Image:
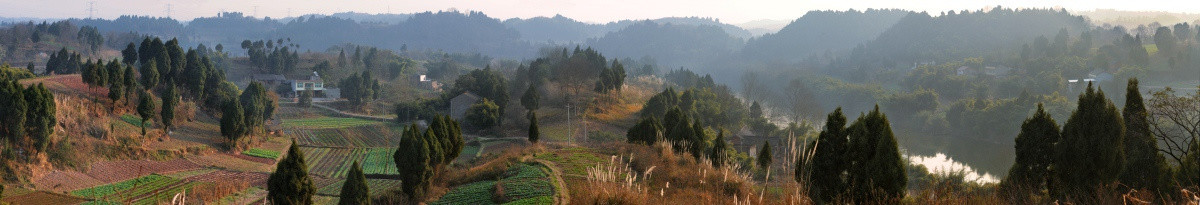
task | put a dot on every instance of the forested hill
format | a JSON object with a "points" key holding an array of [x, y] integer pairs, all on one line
{"points": [[920, 37], [672, 45], [820, 31], [451, 31]]}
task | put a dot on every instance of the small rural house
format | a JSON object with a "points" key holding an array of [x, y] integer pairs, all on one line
{"points": [[459, 104]]}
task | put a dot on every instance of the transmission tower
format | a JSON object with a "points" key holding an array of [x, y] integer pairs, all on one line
{"points": [[91, 9], [168, 10]]}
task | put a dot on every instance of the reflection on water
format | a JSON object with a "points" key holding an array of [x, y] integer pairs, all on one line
{"points": [[940, 164]]}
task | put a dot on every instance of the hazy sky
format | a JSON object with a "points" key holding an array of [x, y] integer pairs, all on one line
{"points": [[729, 11]]}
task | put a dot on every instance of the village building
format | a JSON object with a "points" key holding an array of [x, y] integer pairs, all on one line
{"points": [[459, 104]]}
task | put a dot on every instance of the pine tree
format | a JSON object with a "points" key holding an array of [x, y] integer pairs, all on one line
{"points": [[534, 134], [1035, 150], [355, 190], [764, 155], [146, 107], [170, 99], [290, 184], [876, 167], [720, 150], [1145, 167], [1091, 152], [829, 160], [412, 163]]}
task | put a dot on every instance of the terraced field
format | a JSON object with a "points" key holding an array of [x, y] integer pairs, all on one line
{"points": [[520, 184], [376, 186], [269, 154], [149, 189], [379, 135], [326, 123], [336, 162], [573, 161]]}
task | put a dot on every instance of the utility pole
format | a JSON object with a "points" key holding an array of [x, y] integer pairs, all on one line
{"points": [[569, 124]]}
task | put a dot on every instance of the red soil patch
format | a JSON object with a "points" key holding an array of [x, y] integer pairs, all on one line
{"points": [[253, 178], [114, 171], [43, 197], [69, 84], [59, 181]]}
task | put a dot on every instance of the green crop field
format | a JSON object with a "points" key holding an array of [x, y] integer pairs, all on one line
{"points": [[327, 123], [149, 189], [336, 162], [376, 186], [133, 120], [473, 193], [521, 183], [269, 154], [573, 161]]}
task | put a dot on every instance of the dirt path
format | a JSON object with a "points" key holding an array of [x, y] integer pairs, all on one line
{"points": [[563, 197], [353, 115]]}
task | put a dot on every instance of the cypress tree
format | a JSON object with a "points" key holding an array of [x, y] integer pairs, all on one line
{"points": [[530, 100], [534, 134], [13, 109], [1146, 168], [412, 163], [1035, 150], [696, 143], [130, 81], [170, 99], [149, 75], [829, 160], [876, 167], [1091, 152], [455, 134], [647, 132], [116, 92], [232, 121], [437, 155], [355, 190], [146, 107], [254, 103], [129, 55], [720, 150], [40, 118], [290, 184], [764, 155]]}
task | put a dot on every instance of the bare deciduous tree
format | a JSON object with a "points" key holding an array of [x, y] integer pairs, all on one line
{"points": [[1175, 121]]}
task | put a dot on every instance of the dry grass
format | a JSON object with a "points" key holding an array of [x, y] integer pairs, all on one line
{"points": [[211, 192], [638, 174]]}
